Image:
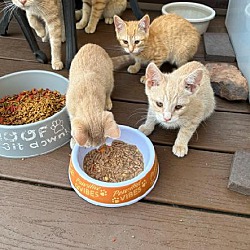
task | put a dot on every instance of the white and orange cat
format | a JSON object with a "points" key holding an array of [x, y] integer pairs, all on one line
{"points": [[169, 38], [181, 99], [88, 97], [93, 10], [46, 18]]}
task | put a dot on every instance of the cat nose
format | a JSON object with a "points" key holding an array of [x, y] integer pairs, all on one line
{"points": [[23, 2], [167, 119], [167, 116]]}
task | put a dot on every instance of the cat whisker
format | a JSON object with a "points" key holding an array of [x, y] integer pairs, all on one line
{"points": [[9, 8], [6, 7], [141, 120], [137, 112], [197, 136]]}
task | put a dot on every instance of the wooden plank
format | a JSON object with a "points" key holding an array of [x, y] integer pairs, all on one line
{"points": [[129, 88], [123, 82], [47, 218], [200, 179], [18, 49], [223, 131]]}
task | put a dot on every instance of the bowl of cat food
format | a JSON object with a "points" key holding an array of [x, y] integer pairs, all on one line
{"points": [[199, 15], [119, 173], [33, 116]]}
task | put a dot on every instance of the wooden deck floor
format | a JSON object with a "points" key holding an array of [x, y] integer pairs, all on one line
{"points": [[189, 208]]}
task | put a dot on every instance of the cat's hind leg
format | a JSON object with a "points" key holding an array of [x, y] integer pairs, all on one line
{"points": [[108, 103], [85, 14]]}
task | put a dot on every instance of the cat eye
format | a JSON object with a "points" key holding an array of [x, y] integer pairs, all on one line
{"points": [[159, 104], [177, 107], [136, 41], [125, 41]]}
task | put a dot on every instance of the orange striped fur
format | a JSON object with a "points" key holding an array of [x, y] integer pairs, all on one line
{"points": [[46, 18], [168, 38], [93, 10]]}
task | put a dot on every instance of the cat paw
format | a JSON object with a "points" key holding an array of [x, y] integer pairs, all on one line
{"points": [[78, 15], [80, 25], [58, 65], [90, 30], [180, 150], [41, 33], [109, 20], [143, 79], [145, 130], [133, 69]]}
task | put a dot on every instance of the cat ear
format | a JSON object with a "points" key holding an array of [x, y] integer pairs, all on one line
{"points": [[111, 128], [153, 75], [78, 132], [192, 81], [144, 24], [119, 23]]}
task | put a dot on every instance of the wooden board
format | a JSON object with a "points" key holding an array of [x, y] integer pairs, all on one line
{"points": [[49, 218], [123, 83]]}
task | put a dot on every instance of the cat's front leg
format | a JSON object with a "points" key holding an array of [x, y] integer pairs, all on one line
{"points": [[180, 147], [95, 16], [53, 23], [133, 69], [148, 127], [83, 15], [37, 25]]}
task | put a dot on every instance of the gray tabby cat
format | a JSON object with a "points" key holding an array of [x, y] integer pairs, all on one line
{"points": [[181, 99], [46, 18]]}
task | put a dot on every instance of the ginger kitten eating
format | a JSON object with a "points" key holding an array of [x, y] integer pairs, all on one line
{"points": [[91, 82], [181, 99], [169, 38]]}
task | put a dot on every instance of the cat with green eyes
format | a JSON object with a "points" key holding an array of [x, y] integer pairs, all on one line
{"points": [[181, 99]]}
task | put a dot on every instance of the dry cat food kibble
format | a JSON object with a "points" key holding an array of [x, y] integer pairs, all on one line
{"points": [[30, 106], [119, 162]]}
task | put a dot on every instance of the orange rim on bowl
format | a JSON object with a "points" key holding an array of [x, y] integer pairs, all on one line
{"points": [[112, 194]]}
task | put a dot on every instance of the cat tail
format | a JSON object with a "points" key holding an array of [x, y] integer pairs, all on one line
{"points": [[122, 61]]}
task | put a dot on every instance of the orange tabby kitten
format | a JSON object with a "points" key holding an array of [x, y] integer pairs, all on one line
{"points": [[91, 82], [94, 10], [169, 38], [181, 99], [46, 18]]}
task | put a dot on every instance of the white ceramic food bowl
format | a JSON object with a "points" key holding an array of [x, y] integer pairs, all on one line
{"points": [[121, 193], [199, 15], [28, 140]]}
